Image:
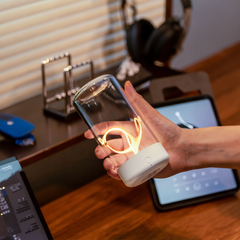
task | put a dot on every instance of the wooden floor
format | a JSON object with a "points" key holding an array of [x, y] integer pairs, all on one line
{"points": [[224, 72]]}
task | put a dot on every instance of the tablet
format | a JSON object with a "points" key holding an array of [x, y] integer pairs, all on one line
{"points": [[198, 185], [20, 215]]}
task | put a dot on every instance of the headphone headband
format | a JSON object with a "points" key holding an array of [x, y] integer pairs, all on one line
{"points": [[145, 43], [185, 3], [134, 10]]}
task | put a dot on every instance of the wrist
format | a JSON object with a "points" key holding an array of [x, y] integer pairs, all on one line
{"points": [[211, 147], [190, 148]]}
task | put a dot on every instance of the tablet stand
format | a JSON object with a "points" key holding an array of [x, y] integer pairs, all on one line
{"points": [[179, 86]]}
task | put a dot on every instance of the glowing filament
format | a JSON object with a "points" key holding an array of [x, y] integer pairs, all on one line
{"points": [[132, 142]]}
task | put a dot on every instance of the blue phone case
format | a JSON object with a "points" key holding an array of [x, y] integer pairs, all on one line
{"points": [[13, 126]]}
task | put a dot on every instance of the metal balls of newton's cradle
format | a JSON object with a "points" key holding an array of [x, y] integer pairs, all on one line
{"points": [[51, 105], [120, 130]]}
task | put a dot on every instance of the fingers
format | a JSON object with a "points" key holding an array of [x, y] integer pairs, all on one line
{"points": [[116, 126], [88, 134], [112, 163], [102, 152], [113, 173]]}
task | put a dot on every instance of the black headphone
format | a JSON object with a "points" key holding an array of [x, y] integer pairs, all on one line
{"points": [[147, 44]]}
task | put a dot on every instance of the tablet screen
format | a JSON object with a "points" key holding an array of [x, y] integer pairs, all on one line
{"points": [[196, 113]]}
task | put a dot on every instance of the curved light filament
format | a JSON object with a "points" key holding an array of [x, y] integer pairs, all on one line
{"points": [[132, 142]]}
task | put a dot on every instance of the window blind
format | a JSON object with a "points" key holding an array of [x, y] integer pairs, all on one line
{"points": [[33, 30]]}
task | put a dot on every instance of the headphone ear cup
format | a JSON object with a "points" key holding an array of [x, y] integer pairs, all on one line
{"points": [[164, 41], [137, 36]]}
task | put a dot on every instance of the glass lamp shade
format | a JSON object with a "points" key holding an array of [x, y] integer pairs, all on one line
{"points": [[115, 124]]}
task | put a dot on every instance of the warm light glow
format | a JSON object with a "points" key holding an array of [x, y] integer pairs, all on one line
{"points": [[132, 141]]}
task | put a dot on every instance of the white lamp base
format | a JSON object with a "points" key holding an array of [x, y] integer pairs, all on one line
{"points": [[144, 165]]}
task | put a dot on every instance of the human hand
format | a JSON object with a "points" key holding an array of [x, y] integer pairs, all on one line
{"points": [[165, 131], [128, 138]]}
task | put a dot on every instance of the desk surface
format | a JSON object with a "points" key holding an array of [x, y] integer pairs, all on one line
{"points": [[106, 209]]}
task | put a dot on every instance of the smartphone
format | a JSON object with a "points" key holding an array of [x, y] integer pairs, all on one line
{"points": [[16, 129]]}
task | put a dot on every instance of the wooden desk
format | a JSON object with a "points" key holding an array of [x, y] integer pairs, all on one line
{"points": [[106, 209]]}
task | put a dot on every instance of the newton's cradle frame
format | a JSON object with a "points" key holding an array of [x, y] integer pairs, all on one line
{"points": [[66, 110]]}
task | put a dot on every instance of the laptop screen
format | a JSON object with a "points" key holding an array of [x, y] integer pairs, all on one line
{"points": [[20, 215]]}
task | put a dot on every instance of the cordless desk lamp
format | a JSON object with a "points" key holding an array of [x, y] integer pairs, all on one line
{"points": [[115, 124]]}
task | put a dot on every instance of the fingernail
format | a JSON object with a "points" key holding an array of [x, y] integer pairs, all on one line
{"points": [[129, 87], [128, 84], [107, 164]]}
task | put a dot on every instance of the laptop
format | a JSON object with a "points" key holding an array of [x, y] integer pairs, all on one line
{"points": [[20, 215]]}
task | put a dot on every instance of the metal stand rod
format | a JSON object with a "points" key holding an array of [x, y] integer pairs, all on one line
{"points": [[69, 90], [47, 61]]}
